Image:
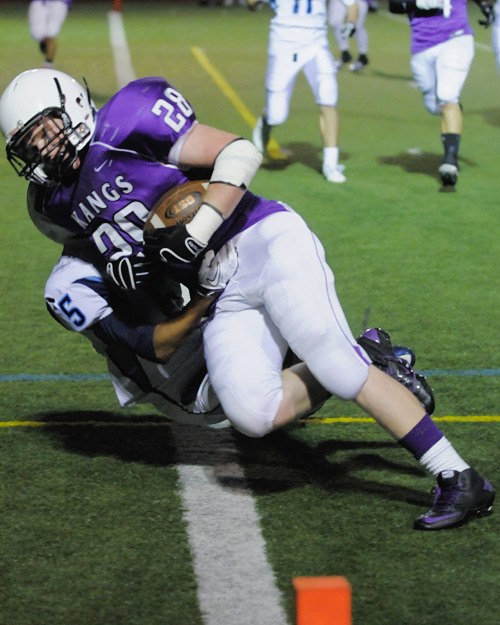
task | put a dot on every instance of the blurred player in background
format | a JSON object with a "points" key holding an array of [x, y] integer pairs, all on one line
{"points": [[337, 12], [298, 41], [442, 49], [97, 174], [45, 19], [222, 3], [495, 34]]}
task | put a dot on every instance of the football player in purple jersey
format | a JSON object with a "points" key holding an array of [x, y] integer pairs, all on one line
{"points": [[136, 329], [96, 175], [45, 19], [442, 49]]}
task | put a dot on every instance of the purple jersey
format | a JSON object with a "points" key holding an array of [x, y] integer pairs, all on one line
{"points": [[126, 169], [68, 2], [429, 28]]}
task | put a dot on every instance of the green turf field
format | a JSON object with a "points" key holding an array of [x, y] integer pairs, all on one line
{"points": [[92, 529]]}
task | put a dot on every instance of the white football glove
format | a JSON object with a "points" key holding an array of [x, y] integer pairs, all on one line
{"points": [[216, 270], [348, 30]]}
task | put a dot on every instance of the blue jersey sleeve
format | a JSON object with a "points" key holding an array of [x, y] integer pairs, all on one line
{"points": [[139, 339]]}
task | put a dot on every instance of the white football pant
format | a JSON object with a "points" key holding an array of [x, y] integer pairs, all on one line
{"points": [[282, 294], [45, 19], [289, 53], [495, 35], [440, 72]]}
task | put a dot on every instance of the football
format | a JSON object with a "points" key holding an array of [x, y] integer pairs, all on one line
{"points": [[177, 206]]}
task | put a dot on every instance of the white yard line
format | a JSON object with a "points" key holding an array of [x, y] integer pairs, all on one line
{"points": [[121, 54], [236, 584]]}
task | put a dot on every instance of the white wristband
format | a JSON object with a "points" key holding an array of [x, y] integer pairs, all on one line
{"points": [[204, 223]]}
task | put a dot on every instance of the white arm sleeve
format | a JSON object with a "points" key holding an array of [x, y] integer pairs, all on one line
{"points": [[237, 163]]}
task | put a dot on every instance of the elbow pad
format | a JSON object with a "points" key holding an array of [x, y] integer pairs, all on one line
{"points": [[237, 164]]}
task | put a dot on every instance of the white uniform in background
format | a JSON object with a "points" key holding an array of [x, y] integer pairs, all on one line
{"points": [[282, 294], [45, 20], [337, 11], [495, 34], [46, 17], [298, 41]]}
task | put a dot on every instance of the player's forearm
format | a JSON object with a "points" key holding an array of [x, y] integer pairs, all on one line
{"points": [[234, 162], [168, 335]]}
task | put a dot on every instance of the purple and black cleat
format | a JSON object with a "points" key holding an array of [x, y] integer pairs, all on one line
{"points": [[458, 498], [397, 361]]}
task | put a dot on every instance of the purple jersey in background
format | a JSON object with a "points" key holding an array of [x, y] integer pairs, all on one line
{"points": [[429, 28], [68, 2]]}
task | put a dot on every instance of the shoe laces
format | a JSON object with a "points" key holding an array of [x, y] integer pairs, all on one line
{"points": [[401, 370], [447, 493], [447, 498], [378, 346]]}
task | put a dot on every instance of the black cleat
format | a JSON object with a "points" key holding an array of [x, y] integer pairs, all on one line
{"points": [[397, 362], [458, 498], [345, 58], [359, 64]]}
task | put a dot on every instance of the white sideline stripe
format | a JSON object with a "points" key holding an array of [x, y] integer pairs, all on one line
{"points": [[483, 46], [236, 584], [121, 54]]}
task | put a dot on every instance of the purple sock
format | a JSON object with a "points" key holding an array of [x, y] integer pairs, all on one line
{"points": [[422, 437]]}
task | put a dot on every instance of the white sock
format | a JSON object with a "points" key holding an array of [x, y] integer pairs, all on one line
{"points": [[331, 157], [443, 457]]}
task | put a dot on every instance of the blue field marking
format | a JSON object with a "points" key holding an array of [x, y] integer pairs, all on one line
{"points": [[85, 377], [460, 373], [54, 377]]}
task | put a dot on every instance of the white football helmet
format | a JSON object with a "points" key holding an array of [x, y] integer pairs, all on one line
{"points": [[28, 107]]}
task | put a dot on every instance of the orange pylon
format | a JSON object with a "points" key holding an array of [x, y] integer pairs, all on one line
{"points": [[323, 600]]}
